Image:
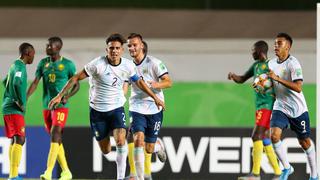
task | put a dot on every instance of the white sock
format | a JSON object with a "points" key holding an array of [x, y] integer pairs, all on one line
{"points": [[157, 146], [282, 154], [139, 162], [121, 160], [311, 156]]}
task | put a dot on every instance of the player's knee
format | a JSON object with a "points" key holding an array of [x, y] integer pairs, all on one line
{"points": [[19, 140], [149, 150], [305, 143], [275, 138], [105, 150]]}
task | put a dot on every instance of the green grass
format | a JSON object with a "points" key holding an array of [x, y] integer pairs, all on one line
{"points": [[188, 104]]}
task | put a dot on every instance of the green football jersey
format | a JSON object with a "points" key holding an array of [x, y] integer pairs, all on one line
{"points": [[15, 89], [55, 76], [263, 100]]}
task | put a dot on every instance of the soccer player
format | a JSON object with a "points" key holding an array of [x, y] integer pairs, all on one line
{"points": [[264, 103], [146, 117], [14, 106], [147, 162], [106, 77], [56, 70], [290, 107]]}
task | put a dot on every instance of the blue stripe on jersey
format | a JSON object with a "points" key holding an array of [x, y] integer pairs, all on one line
{"points": [[134, 78]]}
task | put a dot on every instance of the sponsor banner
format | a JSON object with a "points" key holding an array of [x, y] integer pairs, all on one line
{"points": [[192, 153], [34, 153]]}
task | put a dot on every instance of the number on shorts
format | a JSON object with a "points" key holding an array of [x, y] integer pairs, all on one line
{"points": [[60, 116], [259, 115], [303, 123], [157, 126]]}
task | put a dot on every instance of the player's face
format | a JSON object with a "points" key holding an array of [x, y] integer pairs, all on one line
{"points": [[30, 56], [114, 50], [281, 46], [52, 48], [135, 47], [255, 53]]}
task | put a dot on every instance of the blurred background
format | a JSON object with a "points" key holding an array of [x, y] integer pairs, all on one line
{"points": [[200, 41]]}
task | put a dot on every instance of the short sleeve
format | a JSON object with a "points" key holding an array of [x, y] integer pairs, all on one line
{"points": [[295, 70], [39, 70], [72, 70], [160, 69], [91, 68]]}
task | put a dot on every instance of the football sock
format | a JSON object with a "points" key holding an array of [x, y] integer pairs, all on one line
{"points": [[122, 152], [147, 163], [52, 156], [311, 156], [131, 159], [62, 158], [139, 162], [16, 153], [272, 159], [257, 155], [282, 154]]}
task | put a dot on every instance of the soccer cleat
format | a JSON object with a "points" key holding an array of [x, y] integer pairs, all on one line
{"points": [[286, 172], [65, 175], [16, 178], [46, 175], [161, 153], [250, 177], [316, 178]]}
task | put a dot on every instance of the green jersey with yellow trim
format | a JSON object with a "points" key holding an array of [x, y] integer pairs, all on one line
{"points": [[55, 76], [264, 100], [15, 93]]}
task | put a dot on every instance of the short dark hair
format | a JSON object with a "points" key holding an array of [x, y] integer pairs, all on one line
{"points": [[55, 39], [24, 48], [262, 46], [135, 35], [145, 49], [116, 37], [286, 36]]}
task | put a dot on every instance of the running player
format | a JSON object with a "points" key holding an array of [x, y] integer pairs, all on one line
{"points": [[56, 70], [14, 106], [290, 107], [146, 117], [264, 103], [106, 77]]}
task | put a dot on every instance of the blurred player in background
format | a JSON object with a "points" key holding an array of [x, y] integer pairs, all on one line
{"points": [[290, 107], [264, 104], [146, 117], [106, 77], [56, 70], [14, 106]]}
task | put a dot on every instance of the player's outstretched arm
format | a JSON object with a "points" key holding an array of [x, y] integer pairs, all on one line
{"points": [[295, 85], [33, 86], [163, 84], [143, 86], [72, 81], [238, 79]]}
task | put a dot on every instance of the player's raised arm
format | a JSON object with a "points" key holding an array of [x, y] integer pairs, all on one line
{"points": [[143, 86], [72, 81]]}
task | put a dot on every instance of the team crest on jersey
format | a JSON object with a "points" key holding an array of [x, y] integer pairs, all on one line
{"points": [[61, 67], [263, 67], [162, 66], [47, 65]]}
